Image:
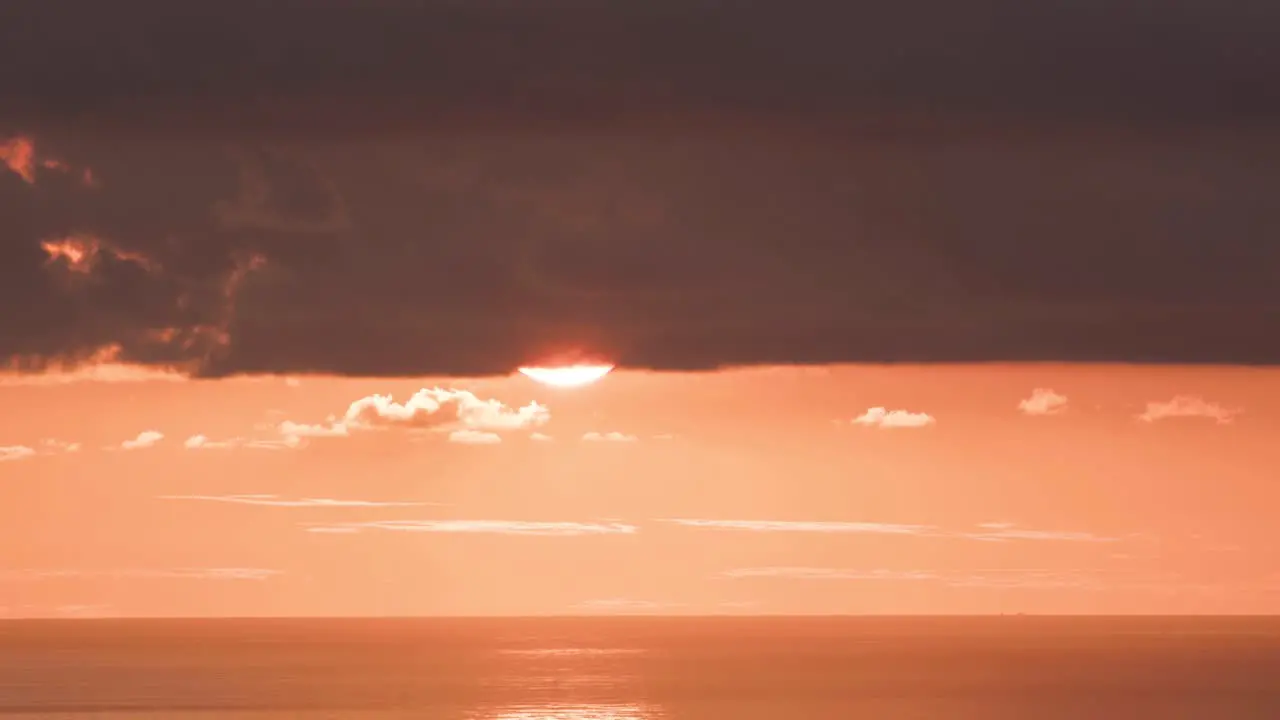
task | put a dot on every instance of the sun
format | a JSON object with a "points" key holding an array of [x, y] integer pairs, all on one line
{"points": [[567, 375]]}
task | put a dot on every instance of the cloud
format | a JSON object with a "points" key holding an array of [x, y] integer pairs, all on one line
{"points": [[145, 439], [1043, 401], [654, 230], [805, 526], [475, 420], [18, 154], [143, 574], [1187, 406], [489, 527], [201, 442], [882, 418], [54, 446], [539, 437], [101, 365], [277, 501], [624, 606], [1001, 532], [467, 436], [609, 437], [1026, 578], [15, 452]]}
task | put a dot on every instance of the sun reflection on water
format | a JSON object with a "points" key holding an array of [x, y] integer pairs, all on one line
{"points": [[569, 711]]}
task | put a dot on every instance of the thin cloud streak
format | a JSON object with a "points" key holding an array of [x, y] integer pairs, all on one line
{"points": [[609, 437], [277, 501], [1188, 406], [488, 527], [809, 526], [988, 532], [10, 453], [145, 439]]}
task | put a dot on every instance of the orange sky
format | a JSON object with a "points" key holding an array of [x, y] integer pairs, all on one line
{"points": [[748, 491]]}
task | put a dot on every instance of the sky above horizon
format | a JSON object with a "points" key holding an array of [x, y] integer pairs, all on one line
{"points": [[843, 489], [916, 306]]}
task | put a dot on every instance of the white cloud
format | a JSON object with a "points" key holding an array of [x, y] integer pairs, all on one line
{"points": [[804, 526], [1187, 406], [609, 437], [882, 418], [428, 408], [145, 439], [539, 437], [15, 452], [277, 501], [53, 446], [467, 436], [1043, 401], [495, 527], [1001, 531], [1026, 578]]}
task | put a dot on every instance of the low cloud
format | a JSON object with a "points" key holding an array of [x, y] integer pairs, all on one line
{"points": [[467, 436], [609, 437], [81, 254], [145, 439], [987, 532], [53, 446], [624, 606], [812, 526], [277, 501], [1002, 532], [539, 437], [1043, 401], [1187, 406], [882, 418], [9, 453], [201, 442], [429, 408], [489, 527], [1028, 578], [103, 365]]}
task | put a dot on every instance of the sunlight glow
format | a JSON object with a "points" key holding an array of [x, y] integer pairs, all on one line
{"points": [[568, 376]]}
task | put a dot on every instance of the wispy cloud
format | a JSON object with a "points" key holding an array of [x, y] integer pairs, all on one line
{"points": [[539, 437], [609, 437], [143, 574], [888, 419], [805, 526], [53, 446], [1188, 406], [1001, 532], [624, 606], [491, 527], [1043, 401], [1028, 578], [277, 501], [19, 154], [467, 436], [9, 453], [988, 532], [429, 408], [145, 439], [201, 442]]}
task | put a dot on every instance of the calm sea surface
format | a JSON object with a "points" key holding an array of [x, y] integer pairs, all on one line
{"points": [[644, 669]]}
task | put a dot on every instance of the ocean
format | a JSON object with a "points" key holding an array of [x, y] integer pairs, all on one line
{"points": [[865, 668]]}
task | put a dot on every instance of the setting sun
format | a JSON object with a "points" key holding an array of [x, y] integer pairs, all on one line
{"points": [[567, 376]]}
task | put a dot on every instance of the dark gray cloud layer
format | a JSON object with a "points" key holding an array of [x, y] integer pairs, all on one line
{"points": [[411, 187]]}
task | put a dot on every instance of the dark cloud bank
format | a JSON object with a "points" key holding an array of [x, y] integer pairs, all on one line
{"points": [[384, 187]]}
